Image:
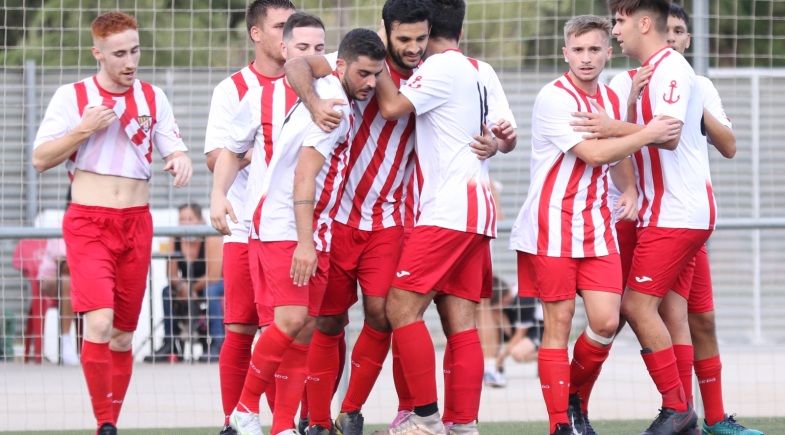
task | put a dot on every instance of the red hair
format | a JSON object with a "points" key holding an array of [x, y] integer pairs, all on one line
{"points": [[110, 23]]}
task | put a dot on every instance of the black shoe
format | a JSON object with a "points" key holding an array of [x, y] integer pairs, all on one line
{"points": [[319, 430], [170, 351], [227, 430], [106, 429], [587, 424], [670, 422], [302, 426], [349, 423], [575, 415], [562, 429]]}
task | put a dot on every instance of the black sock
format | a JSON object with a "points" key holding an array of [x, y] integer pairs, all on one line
{"points": [[426, 410]]}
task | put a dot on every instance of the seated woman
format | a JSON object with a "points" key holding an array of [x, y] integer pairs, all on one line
{"points": [[197, 267]]}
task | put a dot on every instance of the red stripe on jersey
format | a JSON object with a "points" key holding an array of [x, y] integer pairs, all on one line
{"points": [[472, 211], [267, 122], [474, 63], [149, 96], [544, 205], [568, 204], [634, 113], [329, 180], [388, 183], [358, 145], [81, 97], [560, 85], [607, 217], [654, 159], [490, 207], [240, 84], [712, 205]]}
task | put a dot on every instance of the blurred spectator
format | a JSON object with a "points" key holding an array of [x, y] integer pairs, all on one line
{"points": [[52, 262], [194, 275]]}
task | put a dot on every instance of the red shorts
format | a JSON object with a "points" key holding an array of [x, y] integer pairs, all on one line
{"points": [[559, 278], [263, 312], [448, 261], [662, 257], [279, 289], [701, 292], [627, 236], [367, 257], [108, 252], [239, 294]]}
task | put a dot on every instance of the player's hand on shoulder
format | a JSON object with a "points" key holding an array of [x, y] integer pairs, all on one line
{"points": [[597, 125], [486, 145], [97, 118], [304, 264], [663, 129], [324, 115], [639, 82], [179, 165], [220, 207]]}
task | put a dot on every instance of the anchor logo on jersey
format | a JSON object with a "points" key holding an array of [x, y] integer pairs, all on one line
{"points": [[145, 121], [670, 99]]}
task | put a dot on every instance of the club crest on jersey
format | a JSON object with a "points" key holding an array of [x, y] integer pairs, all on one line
{"points": [[145, 121]]}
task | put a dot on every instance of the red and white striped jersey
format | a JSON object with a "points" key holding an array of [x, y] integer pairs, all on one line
{"points": [[274, 216], [375, 176], [450, 101], [674, 187], [566, 212], [124, 148], [257, 124], [226, 99]]}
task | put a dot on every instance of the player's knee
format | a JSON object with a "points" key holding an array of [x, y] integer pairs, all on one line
{"points": [[121, 340], [702, 324], [331, 325], [605, 327]]}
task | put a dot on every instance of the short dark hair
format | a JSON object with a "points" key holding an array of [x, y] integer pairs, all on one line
{"points": [[405, 11], [257, 11], [300, 19], [677, 11], [361, 42], [194, 207], [659, 10], [447, 19]]}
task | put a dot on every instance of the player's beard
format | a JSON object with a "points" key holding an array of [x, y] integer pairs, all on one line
{"points": [[398, 59]]}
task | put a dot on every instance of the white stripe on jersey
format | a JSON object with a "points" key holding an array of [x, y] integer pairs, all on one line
{"points": [[116, 150], [226, 99], [566, 212]]}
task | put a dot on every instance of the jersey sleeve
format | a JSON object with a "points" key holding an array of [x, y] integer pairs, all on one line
{"points": [[712, 101], [552, 116], [671, 88], [222, 108], [166, 135], [498, 106], [57, 122], [315, 137], [430, 87], [245, 122]]}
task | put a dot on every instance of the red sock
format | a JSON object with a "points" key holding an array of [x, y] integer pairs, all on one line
{"points": [[341, 361], [405, 399], [554, 367], [585, 391], [122, 367], [709, 373], [665, 374], [265, 361], [290, 384], [466, 373], [684, 360], [417, 361], [304, 399], [322, 373], [587, 360], [368, 356], [449, 403], [232, 368], [97, 368]]}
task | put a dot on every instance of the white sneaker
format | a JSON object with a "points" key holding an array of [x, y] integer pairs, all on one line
{"points": [[464, 429], [494, 379], [68, 351], [288, 432], [245, 423], [416, 425], [402, 416]]}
